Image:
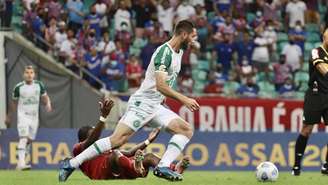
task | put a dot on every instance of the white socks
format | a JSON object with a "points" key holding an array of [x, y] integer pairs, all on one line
{"points": [[174, 148], [22, 151], [100, 146]]}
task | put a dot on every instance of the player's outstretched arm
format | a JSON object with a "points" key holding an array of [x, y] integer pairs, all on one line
{"points": [[46, 101], [151, 137], [105, 107], [12, 110], [166, 90]]}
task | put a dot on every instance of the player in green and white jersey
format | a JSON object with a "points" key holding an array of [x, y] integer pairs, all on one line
{"points": [[26, 98], [145, 106]]}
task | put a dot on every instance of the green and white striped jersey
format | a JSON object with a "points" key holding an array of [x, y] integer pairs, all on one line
{"points": [[28, 97], [164, 60]]}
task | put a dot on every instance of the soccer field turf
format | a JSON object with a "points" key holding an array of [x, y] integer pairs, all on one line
{"points": [[190, 178]]}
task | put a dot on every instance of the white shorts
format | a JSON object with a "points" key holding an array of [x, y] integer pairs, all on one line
{"points": [[136, 117], [27, 126]]}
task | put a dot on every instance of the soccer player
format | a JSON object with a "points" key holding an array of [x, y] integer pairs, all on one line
{"points": [[315, 102], [145, 105], [26, 98], [118, 164]]}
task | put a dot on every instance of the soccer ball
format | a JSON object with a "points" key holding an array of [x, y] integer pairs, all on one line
{"points": [[267, 172]]}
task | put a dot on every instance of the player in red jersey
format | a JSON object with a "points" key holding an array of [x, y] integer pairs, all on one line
{"points": [[118, 164]]}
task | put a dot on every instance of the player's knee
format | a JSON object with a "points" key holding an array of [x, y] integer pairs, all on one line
{"points": [[185, 129], [307, 130], [117, 140], [189, 131]]}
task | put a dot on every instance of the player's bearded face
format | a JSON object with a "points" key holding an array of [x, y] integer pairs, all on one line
{"points": [[29, 75], [190, 40]]}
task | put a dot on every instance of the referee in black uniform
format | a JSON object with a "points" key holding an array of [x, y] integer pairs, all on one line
{"points": [[315, 102]]}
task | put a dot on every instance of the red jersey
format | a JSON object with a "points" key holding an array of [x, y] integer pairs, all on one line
{"points": [[100, 167]]}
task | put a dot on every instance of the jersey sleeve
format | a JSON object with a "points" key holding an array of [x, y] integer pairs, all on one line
{"points": [[162, 60], [42, 88], [316, 57], [15, 94]]}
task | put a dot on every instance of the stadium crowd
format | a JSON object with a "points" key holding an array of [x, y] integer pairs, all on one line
{"points": [[247, 48]]}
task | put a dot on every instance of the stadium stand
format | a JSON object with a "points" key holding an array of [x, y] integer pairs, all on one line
{"points": [[107, 36]]}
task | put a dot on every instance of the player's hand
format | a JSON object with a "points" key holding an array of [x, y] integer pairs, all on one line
{"points": [[106, 106], [153, 134], [48, 107], [7, 121], [191, 104]]}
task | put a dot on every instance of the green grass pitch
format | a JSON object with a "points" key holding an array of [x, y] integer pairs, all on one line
{"points": [[36, 177]]}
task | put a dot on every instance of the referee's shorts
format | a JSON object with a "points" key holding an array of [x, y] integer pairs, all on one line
{"points": [[315, 108]]}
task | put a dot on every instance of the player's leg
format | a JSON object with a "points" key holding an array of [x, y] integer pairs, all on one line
{"points": [[310, 118], [23, 132], [119, 137], [182, 133], [324, 167], [151, 161], [182, 165]]}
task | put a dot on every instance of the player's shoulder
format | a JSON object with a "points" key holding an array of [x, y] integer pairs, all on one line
{"points": [[164, 47], [18, 85], [318, 51], [38, 82]]}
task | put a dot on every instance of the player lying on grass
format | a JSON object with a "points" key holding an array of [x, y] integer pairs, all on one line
{"points": [[118, 164]]}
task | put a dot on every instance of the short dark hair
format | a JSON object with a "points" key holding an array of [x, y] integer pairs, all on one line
{"points": [[83, 133], [29, 67], [184, 25]]}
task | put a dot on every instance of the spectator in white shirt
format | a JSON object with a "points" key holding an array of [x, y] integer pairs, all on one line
{"points": [[293, 54], [102, 10], [296, 11], [185, 11], [106, 46], [260, 54], [197, 2], [165, 15], [66, 52], [122, 15], [60, 35]]}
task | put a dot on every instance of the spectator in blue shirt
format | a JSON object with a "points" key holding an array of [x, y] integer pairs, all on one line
{"points": [[38, 25], [94, 20], [39, 29], [299, 35], [222, 5], [224, 51], [245, 48], [248, 90], [218, 20], [147, 52], [113, 75], [93, 62], [288, 89], [75, 14]]}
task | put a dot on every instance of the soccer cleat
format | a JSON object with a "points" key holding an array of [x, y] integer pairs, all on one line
{"points": [[324, 169], [167, 173], [65, 170], [23, 167], [296, 171]]}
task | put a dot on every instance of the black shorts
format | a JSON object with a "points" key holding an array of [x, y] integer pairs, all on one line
{"points": [[315, 108]]}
